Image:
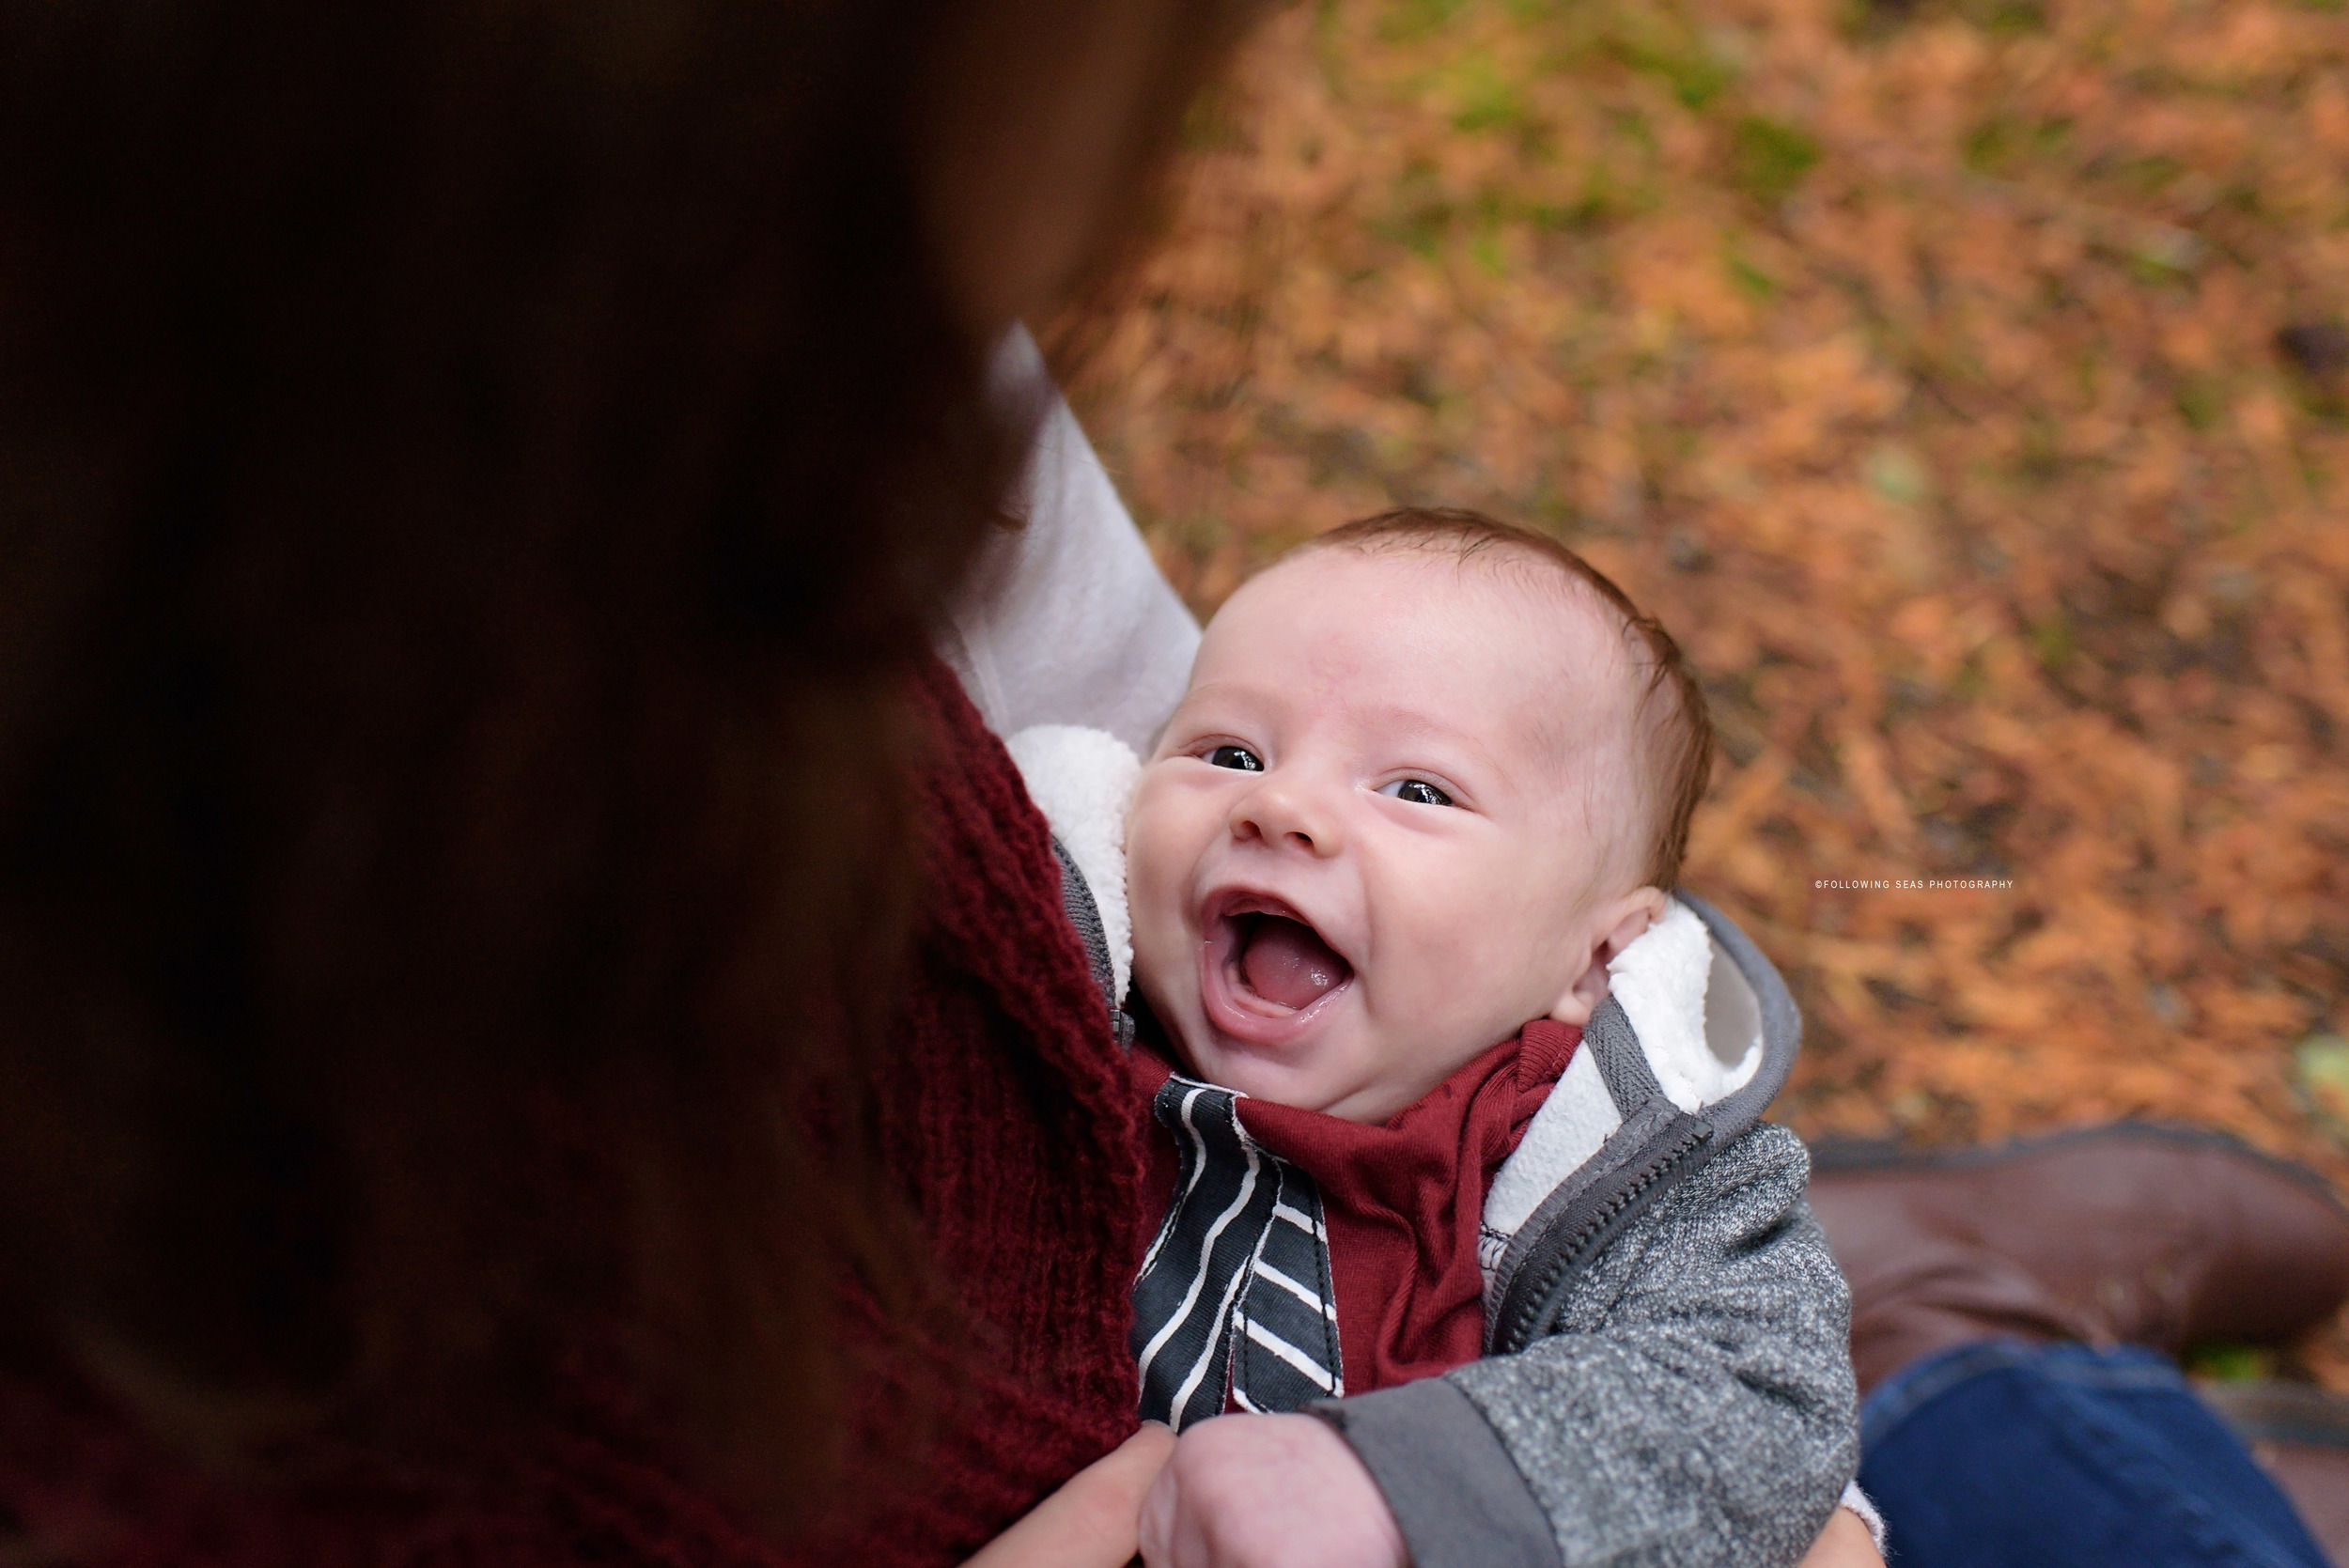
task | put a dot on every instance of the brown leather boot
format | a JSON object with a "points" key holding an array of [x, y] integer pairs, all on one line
{"points": [[2129, 1234]]}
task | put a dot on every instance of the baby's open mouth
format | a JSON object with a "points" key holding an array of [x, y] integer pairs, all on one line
{"points": [[1282, 960]]}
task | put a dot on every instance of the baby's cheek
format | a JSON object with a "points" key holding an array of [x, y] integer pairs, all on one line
{"points": [[1495, 960], [1447, 955], [1157, 869]]}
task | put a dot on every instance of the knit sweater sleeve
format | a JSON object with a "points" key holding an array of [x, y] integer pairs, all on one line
{"points": [[1692, 1405]]}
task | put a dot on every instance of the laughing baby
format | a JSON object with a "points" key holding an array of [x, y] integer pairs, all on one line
{"points": [[1467, 1204]]}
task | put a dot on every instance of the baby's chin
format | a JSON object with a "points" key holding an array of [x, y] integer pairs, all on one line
{"points": [[1323, 1077], [1345, 1074], [1294, 1075]]}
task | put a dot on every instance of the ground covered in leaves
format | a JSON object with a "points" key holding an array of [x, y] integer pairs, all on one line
{"points": [[1963, 381]]}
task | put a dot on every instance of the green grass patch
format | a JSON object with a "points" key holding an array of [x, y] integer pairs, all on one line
{"points": [[1999, 148], [1421, 232], [1604, 200], [2041, 461], [2151, 175], [1694, 77], [1769, 158], [2199, 402], [2006, 18], [1419, 217], [1894, 472], [1409, 21], [2051, 640], [2321, 1066], [1633, 127], [2164, 255], [1483, 99], [1752, 281], [1484, 250], [2231, 1364]]}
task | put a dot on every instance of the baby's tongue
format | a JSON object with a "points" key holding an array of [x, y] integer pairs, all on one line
{"points": [[1286, 963]]}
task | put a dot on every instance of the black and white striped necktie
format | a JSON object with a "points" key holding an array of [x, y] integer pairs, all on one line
{"points": [[1234, 1293]]}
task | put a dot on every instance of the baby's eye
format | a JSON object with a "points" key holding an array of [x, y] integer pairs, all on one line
{"points": [[1235, 756], [1417, 791]]}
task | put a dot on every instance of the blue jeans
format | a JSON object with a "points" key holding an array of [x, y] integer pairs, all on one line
{"points": [[2003, 1455]]}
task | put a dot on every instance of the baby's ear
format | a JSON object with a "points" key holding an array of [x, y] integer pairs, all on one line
{"points": [[1611, 927]]}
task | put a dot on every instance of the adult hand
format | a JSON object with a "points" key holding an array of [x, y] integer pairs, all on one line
{"points": [[1091, 1522], [1845, 1544], [1268, 1492]]}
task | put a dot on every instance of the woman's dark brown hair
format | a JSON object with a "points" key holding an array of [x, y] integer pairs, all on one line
{"points": [[471, 478]]}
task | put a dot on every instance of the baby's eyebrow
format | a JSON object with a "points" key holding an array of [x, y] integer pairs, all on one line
{"points": [[1250, 700], [1233, 704], [1419, 723], [1217, 689]]}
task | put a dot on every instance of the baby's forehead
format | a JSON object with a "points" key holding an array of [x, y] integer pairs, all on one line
{"points": [[1548, 615], [1495, 618]]}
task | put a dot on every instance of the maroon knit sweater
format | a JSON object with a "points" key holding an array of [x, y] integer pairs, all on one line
{"points": [[1022, 1140]]}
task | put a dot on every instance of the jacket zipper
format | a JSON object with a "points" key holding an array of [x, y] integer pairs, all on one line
{"points": [[1567, 1257]]}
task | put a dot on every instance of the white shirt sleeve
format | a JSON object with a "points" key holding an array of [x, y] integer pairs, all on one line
{"points": [[1068, 620]]}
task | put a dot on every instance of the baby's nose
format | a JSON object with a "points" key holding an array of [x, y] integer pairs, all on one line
{"points": [[1284, 815]]}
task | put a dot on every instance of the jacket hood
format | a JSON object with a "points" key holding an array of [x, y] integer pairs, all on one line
{"points": [[1696, 1021]]}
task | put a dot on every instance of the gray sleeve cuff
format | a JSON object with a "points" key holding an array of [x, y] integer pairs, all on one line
{"points": [[1459, 1499]]}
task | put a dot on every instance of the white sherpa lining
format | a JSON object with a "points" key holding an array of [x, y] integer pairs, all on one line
{"points": [[1577, 1117], [1699, 1025], [1082, 780], [1663, 980]]}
